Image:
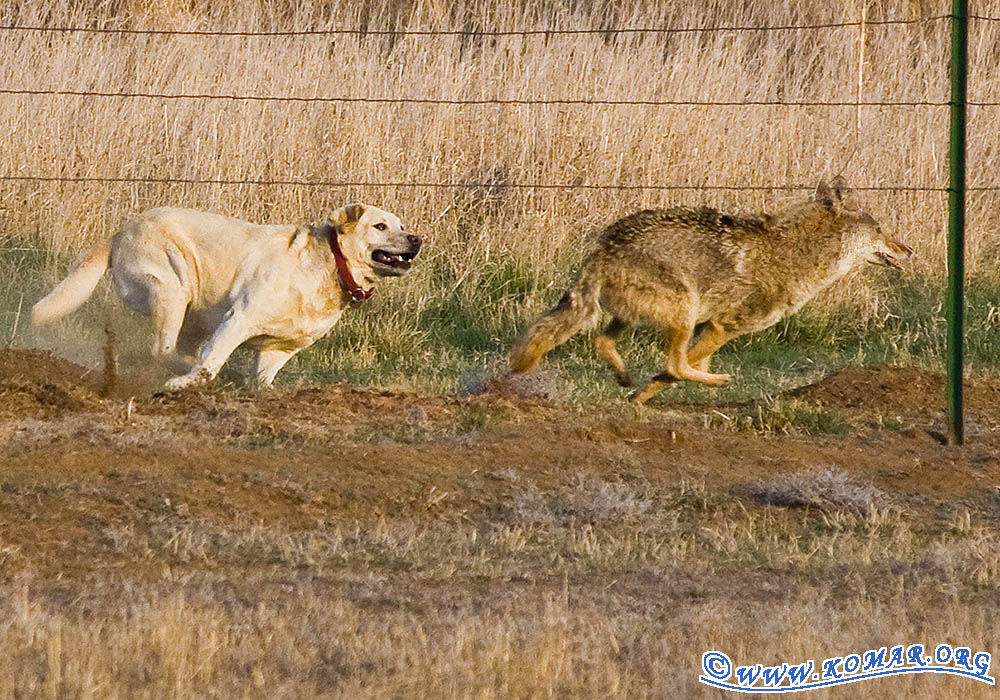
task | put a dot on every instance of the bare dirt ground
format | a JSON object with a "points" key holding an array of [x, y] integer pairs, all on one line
{"points": [[371, 453], [106, 498]]}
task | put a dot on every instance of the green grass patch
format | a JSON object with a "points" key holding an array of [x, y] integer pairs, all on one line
{"points": [[430, 344]]}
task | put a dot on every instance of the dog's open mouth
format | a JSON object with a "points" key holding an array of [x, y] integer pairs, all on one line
{"points": [[397, 261]]}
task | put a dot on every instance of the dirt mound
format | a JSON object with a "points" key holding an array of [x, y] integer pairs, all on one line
{"points": [[894, 390], [42, 367], [34, 382]]}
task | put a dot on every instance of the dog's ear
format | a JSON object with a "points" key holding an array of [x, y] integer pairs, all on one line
{"points": [[824, 195], [354, 212], [348, 214]]}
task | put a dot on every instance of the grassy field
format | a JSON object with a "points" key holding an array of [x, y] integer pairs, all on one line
{"points": [[368, 529], [498, 253], [647, 580]]}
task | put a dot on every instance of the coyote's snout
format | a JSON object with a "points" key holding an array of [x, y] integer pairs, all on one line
{"points": [[709, 277]]}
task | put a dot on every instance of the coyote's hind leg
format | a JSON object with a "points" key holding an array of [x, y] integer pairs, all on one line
{"points": [[710, 338], [678, 364]]}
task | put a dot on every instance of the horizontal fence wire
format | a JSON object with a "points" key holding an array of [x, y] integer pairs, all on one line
{"points": [[487, 101], [495, 187], [497, 101], [489, 186], [470, 32]]}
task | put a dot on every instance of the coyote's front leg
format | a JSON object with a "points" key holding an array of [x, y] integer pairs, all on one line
{"points": [[605, 345]]}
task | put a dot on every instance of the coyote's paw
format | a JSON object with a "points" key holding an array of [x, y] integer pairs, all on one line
{"points": [[625, 381], [719, 379], [654, 387]]}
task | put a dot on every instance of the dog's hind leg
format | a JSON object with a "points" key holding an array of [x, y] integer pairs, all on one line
{"points": [[168, 310], [605, 345]]}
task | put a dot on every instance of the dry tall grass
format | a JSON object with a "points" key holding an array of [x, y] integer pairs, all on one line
{"points": [[536, 236], [199, 643]]}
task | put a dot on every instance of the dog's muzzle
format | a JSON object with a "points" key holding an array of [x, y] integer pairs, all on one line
{"points": [[397, 260]]}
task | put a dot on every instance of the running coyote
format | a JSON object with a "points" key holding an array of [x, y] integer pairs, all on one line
{"points": [[709, 277]]}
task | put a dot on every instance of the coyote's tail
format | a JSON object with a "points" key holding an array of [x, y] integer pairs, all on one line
{"points": [[578, 309], [70, 294]]}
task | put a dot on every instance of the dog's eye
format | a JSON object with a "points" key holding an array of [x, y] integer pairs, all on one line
{"points": [[380, 226]]}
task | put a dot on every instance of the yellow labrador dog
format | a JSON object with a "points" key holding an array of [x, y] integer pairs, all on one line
{"points": [[212, 283]]}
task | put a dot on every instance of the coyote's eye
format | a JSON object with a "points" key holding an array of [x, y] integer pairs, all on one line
{"points": [[380, 226]]}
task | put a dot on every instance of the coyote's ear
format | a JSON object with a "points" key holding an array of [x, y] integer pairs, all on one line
{"points": [[840, 188], [348, 215], [824, 195]]}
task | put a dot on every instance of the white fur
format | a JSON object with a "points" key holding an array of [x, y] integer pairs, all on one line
{"points": [[212, 283]]}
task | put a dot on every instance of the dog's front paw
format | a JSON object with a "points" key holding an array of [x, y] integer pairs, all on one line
{"points": [[178, 383], [192, 378]]}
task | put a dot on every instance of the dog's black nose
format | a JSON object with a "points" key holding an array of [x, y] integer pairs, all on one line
{"points": [[414, 240]]}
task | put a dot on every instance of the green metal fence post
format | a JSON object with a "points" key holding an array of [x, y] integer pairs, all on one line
{"points": [[956, 218]]}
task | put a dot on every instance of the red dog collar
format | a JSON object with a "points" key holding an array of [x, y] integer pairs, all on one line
{"points": [[357, 292]]}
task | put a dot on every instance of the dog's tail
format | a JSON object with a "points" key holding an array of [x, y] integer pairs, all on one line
{"points": [[578, 309], [70, 294]]}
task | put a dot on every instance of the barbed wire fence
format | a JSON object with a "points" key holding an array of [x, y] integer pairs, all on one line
{"points": [[546, 34], [476, 32]]}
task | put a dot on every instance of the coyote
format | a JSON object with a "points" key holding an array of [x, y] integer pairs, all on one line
{"points": [[709, 277]]}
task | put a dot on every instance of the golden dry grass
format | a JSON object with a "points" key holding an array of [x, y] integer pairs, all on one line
{"points": [[498, 608], [472, 230]]}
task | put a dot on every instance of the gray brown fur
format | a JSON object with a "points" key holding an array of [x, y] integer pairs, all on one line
{"points": [[699, 272]]}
